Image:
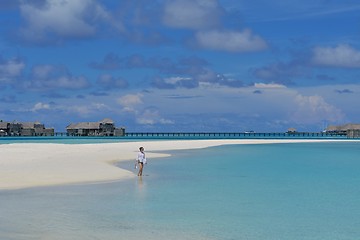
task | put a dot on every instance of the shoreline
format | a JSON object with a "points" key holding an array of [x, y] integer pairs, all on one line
{"points": [[28, 165]]}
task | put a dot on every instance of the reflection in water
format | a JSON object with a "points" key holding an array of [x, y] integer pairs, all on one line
{"points": [[141, 188], [140, 182]]}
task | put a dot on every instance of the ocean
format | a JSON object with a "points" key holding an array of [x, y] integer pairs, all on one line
{"points": [[251, 192]]}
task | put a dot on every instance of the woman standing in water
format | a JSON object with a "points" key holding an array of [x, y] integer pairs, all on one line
{"points": [[141, 160]]}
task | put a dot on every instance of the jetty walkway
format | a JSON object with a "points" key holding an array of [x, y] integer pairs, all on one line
{"points": [[233, 135], [220, 135]]}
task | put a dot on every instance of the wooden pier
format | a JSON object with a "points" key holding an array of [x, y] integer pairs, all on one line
{"points": [[233, 135], [224, 135], [61, 134]]}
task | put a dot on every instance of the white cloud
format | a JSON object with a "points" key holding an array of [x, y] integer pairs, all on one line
{"points": [[84, 109], [231, 41], [314, 109], [40, 106], [133, 104], [64, 18], [61, 17], [100, 106], [268, 85], [303, 108], [130, 100], [175, 80], [10, 69], [45, 77], [150, 117], [192, 14], [107, 82], [69, 82], [42, 71], [80, 110], [342, 55]]}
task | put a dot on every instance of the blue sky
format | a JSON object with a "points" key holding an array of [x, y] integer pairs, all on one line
{"points": [[181, 65]]}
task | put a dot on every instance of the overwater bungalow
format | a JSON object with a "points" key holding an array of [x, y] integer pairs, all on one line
{"points": [[351, 130], [106, 127], [25, 129], [291, 130]]}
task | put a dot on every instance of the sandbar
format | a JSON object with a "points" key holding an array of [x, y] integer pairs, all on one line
{"points": [[27, 165]]}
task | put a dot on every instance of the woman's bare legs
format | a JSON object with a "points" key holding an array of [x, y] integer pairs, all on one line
{"points": [[141, 165]]}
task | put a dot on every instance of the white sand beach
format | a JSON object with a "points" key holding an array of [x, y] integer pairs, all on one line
{"points": [[25, 165]]}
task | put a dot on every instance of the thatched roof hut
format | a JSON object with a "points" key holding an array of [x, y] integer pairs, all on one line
{"points": [[105, 127], [84, 125], [107, 120], [346, 127], [26, 129], [291, 130], [4, 125]]}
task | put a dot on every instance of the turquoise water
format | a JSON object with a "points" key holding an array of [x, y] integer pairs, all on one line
{"points": [[270, 191]]}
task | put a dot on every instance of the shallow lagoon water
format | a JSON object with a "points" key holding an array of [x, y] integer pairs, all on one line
{"points": [[267, 191]]}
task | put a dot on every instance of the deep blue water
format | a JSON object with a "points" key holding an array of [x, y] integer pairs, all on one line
{"points": [[268, 191]]}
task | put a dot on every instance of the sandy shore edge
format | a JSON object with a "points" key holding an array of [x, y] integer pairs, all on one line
{"points": [[25, 165]]}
